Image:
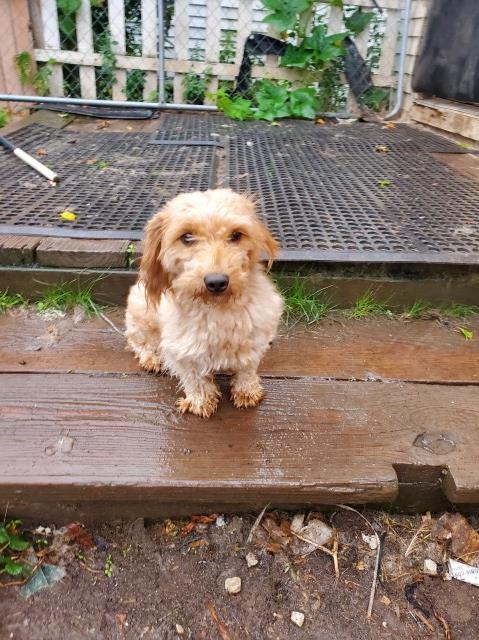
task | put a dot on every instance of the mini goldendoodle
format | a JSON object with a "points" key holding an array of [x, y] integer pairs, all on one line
{"points": [[203, 302]]}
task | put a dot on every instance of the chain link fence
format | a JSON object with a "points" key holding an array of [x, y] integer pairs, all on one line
{"points": [[178, 52]]}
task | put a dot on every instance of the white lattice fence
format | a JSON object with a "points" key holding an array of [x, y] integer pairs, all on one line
{"points": [[193, 44]]}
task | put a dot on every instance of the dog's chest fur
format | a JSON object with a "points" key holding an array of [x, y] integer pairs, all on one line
{"points": [[215, 337]]}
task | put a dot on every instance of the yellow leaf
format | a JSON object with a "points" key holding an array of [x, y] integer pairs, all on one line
{"points": [[68, 215]]}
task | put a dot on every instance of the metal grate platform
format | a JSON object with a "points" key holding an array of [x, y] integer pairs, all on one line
{"points": [[319, 187], [114, 182], [326, 198]]}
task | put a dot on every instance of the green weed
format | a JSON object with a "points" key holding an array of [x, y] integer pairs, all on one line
{"points": [[11, 544], [460, 310], [418, 309], [9, 300], [65, 297], [109, 566], [302, 305], [366, 306]]}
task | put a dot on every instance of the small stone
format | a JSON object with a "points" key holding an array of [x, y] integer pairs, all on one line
{"points": [[297, 523], [430, 567], [233, 585], [371, 541], [251, 560], [179, 629], [297, 618]]}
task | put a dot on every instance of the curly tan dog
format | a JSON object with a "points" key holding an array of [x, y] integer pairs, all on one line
{"points": [[203, 302]]}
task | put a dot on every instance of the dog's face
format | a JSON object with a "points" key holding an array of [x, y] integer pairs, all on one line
{"points": [[204, 245]]}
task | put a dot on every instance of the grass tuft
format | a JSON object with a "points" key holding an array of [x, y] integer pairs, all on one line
{"points": [[302, 305], [366, 306], [460, 310], [9, 300], [418, 309], [65, 298]]}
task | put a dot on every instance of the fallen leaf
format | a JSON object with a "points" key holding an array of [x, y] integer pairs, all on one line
{"points": [[466, 333], [41, 152], [187, 529], [384, 183], [77, 533], [454, 527], [197, 544], [68, 215], [170, 528]]}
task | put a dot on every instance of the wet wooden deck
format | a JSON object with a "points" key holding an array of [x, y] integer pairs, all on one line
{"points": [[376, 411]]}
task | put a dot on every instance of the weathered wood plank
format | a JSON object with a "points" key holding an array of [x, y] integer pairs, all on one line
{"points": [[77, 437], [448, 116], [223, 70], [85, 45], [16, 250], [81, 253], [421, 351], [51, 39], [116, 21]]}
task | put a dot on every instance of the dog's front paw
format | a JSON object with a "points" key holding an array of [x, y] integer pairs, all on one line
{"points": [[150, 364], [203, 406], [246, 398]]}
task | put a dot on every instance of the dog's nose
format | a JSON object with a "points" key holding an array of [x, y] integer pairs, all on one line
{"points": [[216, 282]]}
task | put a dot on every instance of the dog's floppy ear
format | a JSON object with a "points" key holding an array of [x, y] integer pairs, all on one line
{"points": [[152, 273], [269, 245], [265, 241]]}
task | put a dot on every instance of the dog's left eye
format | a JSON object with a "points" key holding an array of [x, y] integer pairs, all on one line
{"points": [[236, 236], [187, 238]]}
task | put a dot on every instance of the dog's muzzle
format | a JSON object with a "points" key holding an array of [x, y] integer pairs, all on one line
{"points": [[216, 282]]}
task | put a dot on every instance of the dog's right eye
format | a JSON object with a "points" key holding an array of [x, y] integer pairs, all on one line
{"points": [[187, 238]]}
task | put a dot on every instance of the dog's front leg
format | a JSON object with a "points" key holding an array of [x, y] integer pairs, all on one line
{"points": [[246, 388], [201, 393]]}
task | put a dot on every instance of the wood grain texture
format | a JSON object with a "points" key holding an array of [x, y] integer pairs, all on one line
{"points": [[421, 351], [82, 254], [16, 250], [90, 437]]}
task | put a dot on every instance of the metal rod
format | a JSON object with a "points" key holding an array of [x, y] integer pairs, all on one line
{"points": [[398, 105], [161, 52], [108, 103]]}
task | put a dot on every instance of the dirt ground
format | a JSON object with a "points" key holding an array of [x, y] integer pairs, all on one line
{"points": [[166, 580]]}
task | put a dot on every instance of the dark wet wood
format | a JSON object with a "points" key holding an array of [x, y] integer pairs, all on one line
{"points": [[421, 351], [77, 437]]}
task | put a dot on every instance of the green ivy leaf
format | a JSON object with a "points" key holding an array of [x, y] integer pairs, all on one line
{"points": [[239, 109], [10, 566], [295, 57], [17, 544], [69, 6], [272, 101], [303, 103], [284, 13], [358, 20]]}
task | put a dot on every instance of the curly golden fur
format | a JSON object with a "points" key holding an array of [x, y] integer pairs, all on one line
{"points": [[203, 302]]}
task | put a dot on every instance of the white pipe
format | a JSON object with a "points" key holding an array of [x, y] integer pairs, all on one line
{"points": [[38, 166]]}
